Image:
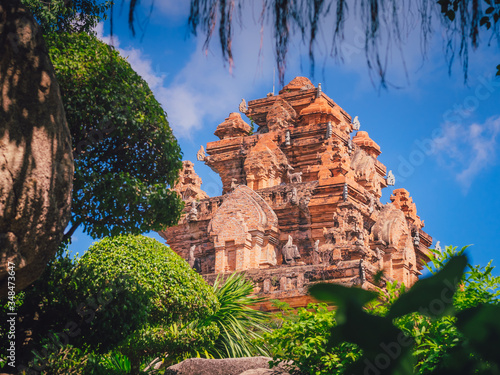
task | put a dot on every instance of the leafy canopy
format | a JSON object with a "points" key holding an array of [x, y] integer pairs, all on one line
{"points": [[128, 294], [68, 16], [126, 156]]}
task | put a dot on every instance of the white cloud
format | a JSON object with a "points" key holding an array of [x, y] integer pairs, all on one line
{"points": [[468, 149], [204, 90], [140, 63], [174, 8]]}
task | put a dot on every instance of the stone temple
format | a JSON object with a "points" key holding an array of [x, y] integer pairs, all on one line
{"points": [[300, 202]]}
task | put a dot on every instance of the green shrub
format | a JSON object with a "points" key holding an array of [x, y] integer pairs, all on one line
{"points": [[172, 343], [124, 289], [303, 339], [445, 324], [128, 282]]}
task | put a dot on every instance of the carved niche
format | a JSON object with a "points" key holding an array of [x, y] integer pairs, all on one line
{"points": [[393, 235], [281, 116], [244, 231], [265, 164]]}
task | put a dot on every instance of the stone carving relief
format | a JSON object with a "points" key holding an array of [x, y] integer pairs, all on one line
{"points": [[264, 164], [193, 212], [391, 180], [189, 185], [348, 228], [194, 262], [390, 226], [293, 197], [281, 116], [290, 252], [438, 247], [365, 171], [200, 155], [243, 106], [293, 177], [329, 130], [316, 259], [355, 123]]}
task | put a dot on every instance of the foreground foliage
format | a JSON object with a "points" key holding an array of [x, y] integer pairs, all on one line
{"points": [[128, 301], [123, 286], [444, 324], [150, 284]]}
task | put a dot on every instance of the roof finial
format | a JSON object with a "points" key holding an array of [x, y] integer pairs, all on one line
{"points": [[243, 106], [391, 179], [355, 123], [319, 91]]}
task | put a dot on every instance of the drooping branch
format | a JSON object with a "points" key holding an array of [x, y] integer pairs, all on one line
{"points": [[384, 22]]}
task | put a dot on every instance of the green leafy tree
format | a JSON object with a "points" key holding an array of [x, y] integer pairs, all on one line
{"points": [[159, 287], [124, 289], [126, 156], [234, 329], [68, 16], [444, 324], [478, 284]]}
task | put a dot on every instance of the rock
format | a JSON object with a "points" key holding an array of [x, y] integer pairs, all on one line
{"points": [[229, 366], [264, 371], [36, 164]]}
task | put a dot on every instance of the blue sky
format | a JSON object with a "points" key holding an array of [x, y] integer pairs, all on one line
{"points": [[438, 135]]}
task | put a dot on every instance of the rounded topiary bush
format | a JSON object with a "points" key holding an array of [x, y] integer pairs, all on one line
{"points": [[129, 281]]}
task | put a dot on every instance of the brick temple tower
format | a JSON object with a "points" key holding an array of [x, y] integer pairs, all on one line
{"points": [[301, 201]]}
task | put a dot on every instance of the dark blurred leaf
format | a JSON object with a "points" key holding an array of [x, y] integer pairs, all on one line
{"points": [[481, 326], [378, 277], [432, 296], [341, 295], [385, 347], [457, 361]]}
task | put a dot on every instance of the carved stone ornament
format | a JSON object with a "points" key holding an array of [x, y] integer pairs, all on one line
{"points": [[200, 155], [355, 123], [391, 180], [290, 252], [243, 106]]}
